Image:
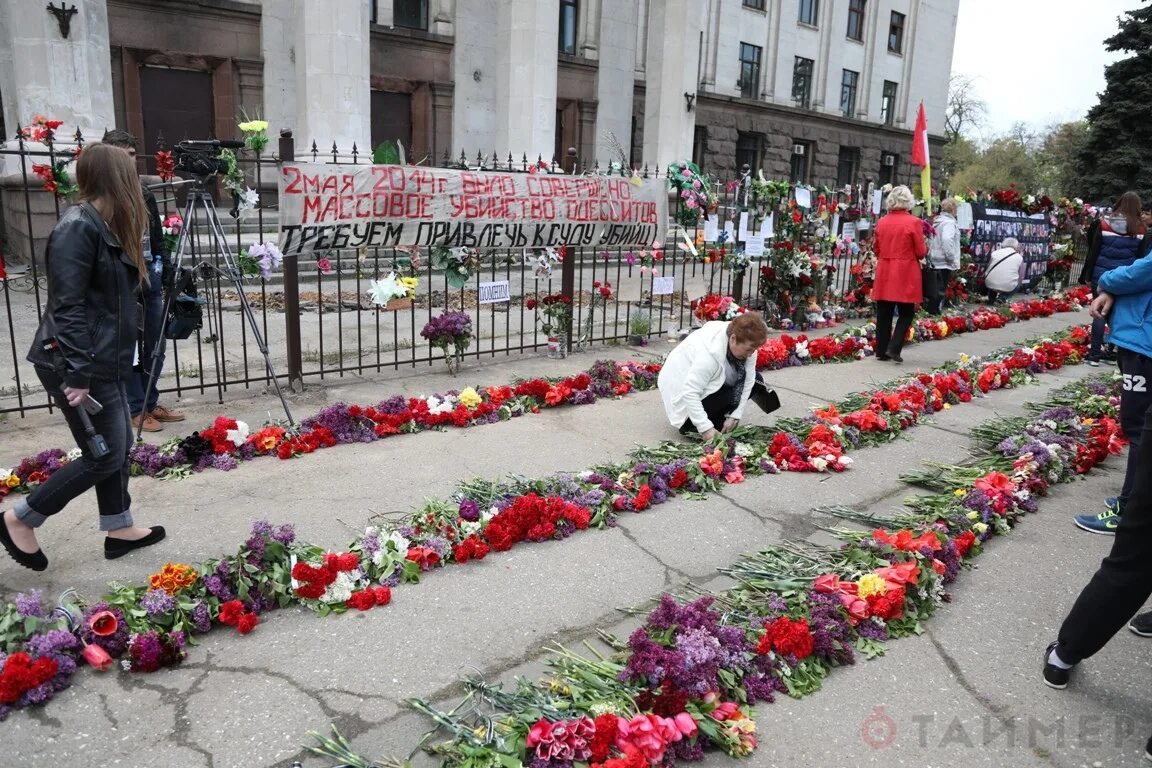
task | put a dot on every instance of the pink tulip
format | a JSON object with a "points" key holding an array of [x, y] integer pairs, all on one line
{"points": [[97, 657], [827, 583], [103, 623], [686, 724]]}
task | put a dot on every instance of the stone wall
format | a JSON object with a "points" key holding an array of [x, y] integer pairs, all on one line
{"points": [[725, 118]]}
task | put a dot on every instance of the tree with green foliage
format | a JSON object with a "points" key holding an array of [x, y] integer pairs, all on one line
{"points": [[1003, 162], [1116, 155]]}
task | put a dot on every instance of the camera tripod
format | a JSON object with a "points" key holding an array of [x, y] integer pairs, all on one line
{"points": [[201, 207]]}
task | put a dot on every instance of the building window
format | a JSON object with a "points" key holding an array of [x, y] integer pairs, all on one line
{"points": [[809, 9], [412, 14], [848, 92], [888, 103], [568, 14], [802, 81], [846, 166], [888, 165], [896, 33], [749, 70], [749, 150], [756, 5], [856, 19], [801, 152], [699, 145]]}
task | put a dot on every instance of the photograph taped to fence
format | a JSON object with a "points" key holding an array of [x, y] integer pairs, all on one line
{"points": [[393, 205]]}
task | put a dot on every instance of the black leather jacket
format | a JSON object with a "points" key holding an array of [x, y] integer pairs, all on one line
{"points": [[92, 310]]}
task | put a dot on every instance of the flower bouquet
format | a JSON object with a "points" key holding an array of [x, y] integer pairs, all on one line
{"points": [[393, 292], [450, 330], [458, 264], [715, 307], [259, 259], [54, 174], [555, 314], [693, 190]]}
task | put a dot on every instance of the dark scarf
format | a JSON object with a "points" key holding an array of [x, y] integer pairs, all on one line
{"points": [[741, 373]]}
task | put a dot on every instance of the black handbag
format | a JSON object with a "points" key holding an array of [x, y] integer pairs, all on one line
{"points": [[765, 397]]}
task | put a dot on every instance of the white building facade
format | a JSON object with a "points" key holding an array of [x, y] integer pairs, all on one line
{"points": [[822, 91]]}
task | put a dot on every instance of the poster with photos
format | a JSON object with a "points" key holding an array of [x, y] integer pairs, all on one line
{"points": [[990, 226]]}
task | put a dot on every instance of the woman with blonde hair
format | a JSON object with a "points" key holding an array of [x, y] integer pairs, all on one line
{"points": [[900, 248], [84, 350]]}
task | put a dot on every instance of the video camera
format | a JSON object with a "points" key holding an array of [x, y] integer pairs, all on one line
{"points": [[202, 158]]}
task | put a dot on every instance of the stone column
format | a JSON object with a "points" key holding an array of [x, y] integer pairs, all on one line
{"points": [[278, 25], [590, 14], [441, 122], [333, 102], [44, 73], [673, 52], [526, 85], [442, 17], [615, 81], [476, 59]]}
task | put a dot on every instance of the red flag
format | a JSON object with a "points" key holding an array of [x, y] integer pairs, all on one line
{"points": [[920, 139]]}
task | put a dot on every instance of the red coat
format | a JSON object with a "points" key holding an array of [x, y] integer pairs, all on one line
{"points": [[899, 246]]}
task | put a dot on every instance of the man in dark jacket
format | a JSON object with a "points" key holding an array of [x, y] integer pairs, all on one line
{"points": [[144, 406]]}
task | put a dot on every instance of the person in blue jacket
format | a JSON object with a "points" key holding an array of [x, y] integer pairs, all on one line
{"points": [[1123, 294], [1123, 581]]}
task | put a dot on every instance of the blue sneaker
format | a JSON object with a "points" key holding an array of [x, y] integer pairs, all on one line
{"points": [[1106, 522], [1112, 502]]}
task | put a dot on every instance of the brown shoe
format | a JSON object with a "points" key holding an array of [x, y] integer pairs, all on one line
{"points": [[160, 413], [150, 424]]}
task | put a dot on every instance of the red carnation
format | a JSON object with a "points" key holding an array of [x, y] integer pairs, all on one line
{"points": [[230, 612], [383, 595], [247, 622]]}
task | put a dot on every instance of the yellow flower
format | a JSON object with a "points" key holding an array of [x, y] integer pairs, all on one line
{"points": [[958, 492], [947, 406], [980, 528], [12, 481], [253, 126], [964, 358], [469, 397], [409, 284], [871, 584], [973, 515]]}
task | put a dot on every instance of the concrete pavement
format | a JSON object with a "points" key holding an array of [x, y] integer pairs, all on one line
{"points": [[249, 701]]}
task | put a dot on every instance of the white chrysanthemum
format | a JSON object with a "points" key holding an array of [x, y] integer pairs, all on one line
{"points": [[398, 541], [238, 436], [72, 455], [340, 590]]}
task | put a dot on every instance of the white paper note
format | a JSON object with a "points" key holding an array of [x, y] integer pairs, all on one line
{"points": [[744, 233], [803, 197], [663, 286], [754, 245], [768, 227], [730, 231], [849, 230], [877, 201], [711, 228], [964, 216], [835, 224]]}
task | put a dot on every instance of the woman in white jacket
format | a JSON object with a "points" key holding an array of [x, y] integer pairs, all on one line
{"points": [[943, 256], [708, 378]]}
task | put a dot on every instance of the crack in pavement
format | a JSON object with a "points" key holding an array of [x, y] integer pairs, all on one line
{"points": [[668, 569]]}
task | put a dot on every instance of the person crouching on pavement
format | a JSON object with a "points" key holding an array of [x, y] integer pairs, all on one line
{"points": [[709, 377]]}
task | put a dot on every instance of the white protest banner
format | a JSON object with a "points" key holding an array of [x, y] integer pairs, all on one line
{"points": [[332, 207], [663, 286], [495, 292]]}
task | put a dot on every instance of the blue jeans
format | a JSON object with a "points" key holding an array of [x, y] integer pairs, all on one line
{"points": [[153, 330], [108, 474]]}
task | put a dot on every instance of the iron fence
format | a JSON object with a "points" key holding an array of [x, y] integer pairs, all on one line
{"points": [[315, 315]]}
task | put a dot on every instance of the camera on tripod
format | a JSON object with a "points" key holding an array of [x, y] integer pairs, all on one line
{"points": [[202, 158]]}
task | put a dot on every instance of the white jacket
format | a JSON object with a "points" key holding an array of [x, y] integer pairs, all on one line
{"points": [[694, 370], [944, 248], [1004, 267]]}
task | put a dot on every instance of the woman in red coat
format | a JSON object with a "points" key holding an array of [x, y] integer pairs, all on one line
{"points": [[900, 247]]}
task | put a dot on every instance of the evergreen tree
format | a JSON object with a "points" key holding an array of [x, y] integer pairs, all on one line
{"points": [[1118, 154]]}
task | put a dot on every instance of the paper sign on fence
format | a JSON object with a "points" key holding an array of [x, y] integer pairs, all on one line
{"points": [[711, 228], [768, 227], [964, 218], [754, 246], [849, 230], [877, 201], [494, 292], [663, 286], [744, 233], [803, 197]]}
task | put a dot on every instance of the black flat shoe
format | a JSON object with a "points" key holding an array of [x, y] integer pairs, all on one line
{"points": [[884, 358], [114, 548], [33, 560], [897, 359]]}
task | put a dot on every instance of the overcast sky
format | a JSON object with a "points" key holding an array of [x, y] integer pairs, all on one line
{"points": [[1036, 61]]}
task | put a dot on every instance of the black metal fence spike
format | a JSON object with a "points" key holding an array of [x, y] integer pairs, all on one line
{"points": [[446, 160], [335, 153]]}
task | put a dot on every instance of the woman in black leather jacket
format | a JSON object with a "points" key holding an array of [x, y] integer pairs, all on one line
{"points": [[84, 350]]}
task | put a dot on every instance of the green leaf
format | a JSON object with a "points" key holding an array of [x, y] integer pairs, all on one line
{"points": [[386, 154]]}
